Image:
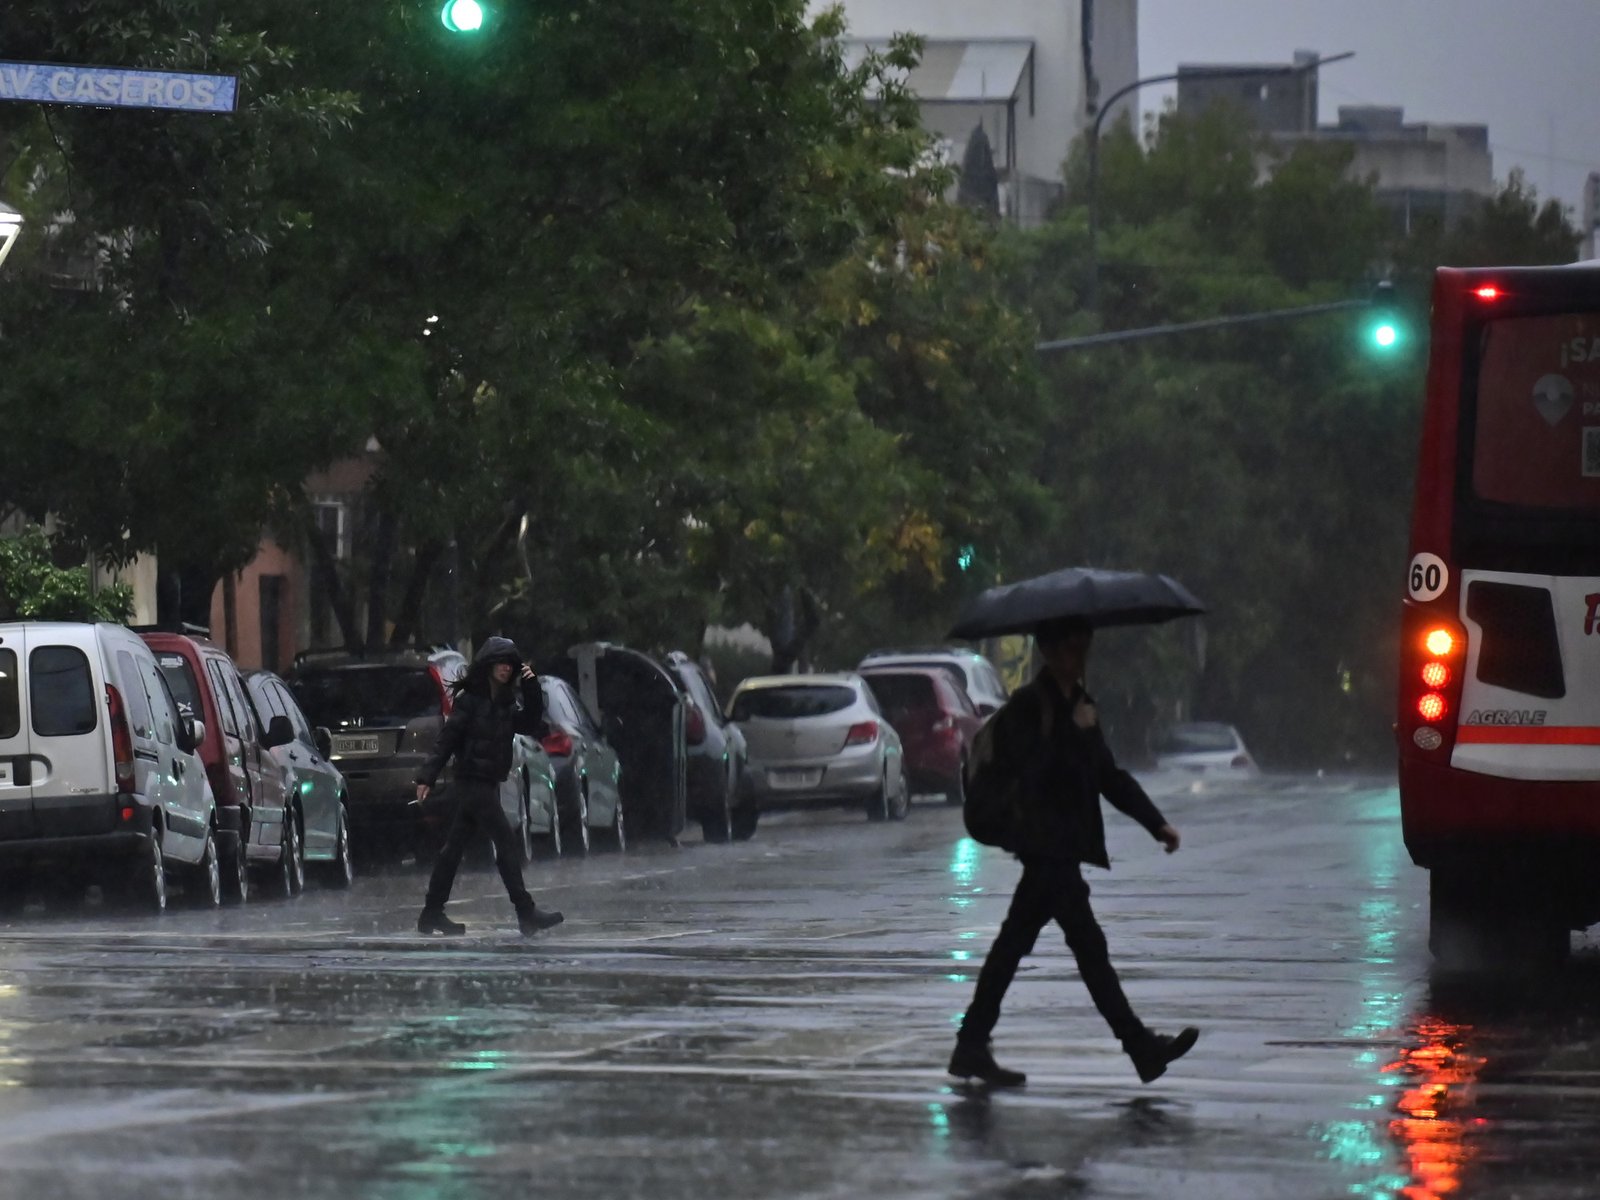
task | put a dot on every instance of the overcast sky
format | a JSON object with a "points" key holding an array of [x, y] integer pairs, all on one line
{"points": [[1529, 69]]}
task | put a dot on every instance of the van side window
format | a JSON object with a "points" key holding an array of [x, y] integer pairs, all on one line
{"points": [[162, 706], [61, 692], [133, 693], [230, 723], [250, 725], [10, 697]]}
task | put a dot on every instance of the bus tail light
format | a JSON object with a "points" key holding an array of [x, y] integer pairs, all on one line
{"points": [[1487, 292], [1432, 707], [1430, 681]]}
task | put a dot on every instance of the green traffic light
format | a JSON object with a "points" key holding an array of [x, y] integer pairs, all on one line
{"points": [[462, 16], [1385, 335]]}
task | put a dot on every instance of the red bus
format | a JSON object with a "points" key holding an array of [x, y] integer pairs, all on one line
{"points": [[1499, 700]]}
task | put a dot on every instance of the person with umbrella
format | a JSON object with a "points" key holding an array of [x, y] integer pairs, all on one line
{"points": [[1047, 739]]}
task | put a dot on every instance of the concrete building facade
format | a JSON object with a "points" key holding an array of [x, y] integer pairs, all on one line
{"points": [[1422, 169], [1029, 72]]}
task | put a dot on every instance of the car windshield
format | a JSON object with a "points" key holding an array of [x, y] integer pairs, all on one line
{"points": [[1191, 739], [902, 693], [787, 703], [366, 695]]}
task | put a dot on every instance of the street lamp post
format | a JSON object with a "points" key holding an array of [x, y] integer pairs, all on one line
{"points": [[10, 226], [1093, 298]]}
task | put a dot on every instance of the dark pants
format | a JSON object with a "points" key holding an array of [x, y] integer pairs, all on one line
{"points": [[478, 807], [1049, 891]]}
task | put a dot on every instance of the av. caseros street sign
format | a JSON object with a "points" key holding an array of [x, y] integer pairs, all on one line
{"points": [[116, 87]]}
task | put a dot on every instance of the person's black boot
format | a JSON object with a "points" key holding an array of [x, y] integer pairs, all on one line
{"points": [[535, 920], [433, 920], [1154, 1052], [974, 1060]]}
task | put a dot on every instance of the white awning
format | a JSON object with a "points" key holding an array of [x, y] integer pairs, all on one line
{"points": [[960, 72]]}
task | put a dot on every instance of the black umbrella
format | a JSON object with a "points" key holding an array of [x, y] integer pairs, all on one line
{"points": [[1099, 597]]}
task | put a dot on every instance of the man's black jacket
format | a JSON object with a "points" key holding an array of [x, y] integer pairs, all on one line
{"points": [[1064, 769]]}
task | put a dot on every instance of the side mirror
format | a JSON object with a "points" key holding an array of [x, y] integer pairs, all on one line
{"points": [[190, 734], [323, 740], [280, 732]]}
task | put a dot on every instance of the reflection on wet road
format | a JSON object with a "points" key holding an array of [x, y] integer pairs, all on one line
{"points": [[771, 1019]]}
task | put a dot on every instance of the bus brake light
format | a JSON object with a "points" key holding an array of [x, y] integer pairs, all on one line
{"points": [[1487, 292], [1435, 675], [1440, 642], [1432, 707]]}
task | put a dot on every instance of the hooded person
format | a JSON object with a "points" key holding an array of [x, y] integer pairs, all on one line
{"points": [[488, 709]]}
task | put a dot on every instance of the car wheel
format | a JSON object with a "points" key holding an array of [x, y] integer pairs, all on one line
{"points": [[718, 827], [525, 825], [616, 834], [956, 793], [341, 872], [555, 823], [235, 871], [900, 802], [878, 804], [147, 881], [207, 878], [745, 818], [583, 845], [283, 871], [297, 859]]}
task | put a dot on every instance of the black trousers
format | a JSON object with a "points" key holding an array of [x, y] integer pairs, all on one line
{"points": [[478, 807], [1049, 890]]}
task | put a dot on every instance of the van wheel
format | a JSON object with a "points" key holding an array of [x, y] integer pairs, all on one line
{"points": [[147, 879], [235, 870], [1478, 930], [207, 878], [290, 877], [956, 793], [14, 883]]}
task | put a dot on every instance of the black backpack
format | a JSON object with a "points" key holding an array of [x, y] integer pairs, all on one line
{"points": [[995, 789]]}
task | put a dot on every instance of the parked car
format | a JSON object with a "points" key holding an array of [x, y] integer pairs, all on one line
{"points": [[383, 712], [1204, 747], [237, 751], [319, 787], [587, 771], [969, 669], [98, 770], [716, 758], [936, 721], [528, 797], [820, 739]]}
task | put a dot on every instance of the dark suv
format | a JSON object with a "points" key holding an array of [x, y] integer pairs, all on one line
{"points": [[716, 757], [384, 712]]}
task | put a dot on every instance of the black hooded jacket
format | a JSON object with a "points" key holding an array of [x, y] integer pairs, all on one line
{"points": [[479, 729], [1065, 770]]}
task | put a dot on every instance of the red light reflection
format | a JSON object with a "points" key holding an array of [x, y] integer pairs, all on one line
{"points": [[1433, 1122]]}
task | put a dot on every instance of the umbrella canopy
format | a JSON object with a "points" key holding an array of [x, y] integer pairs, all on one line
{"points": [[1099, 597]]}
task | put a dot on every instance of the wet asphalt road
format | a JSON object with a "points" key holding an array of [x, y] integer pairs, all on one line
{"points": [[772, 1019]]}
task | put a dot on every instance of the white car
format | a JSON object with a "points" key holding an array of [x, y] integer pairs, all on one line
{"points": [[820, 740], [1204, 747], [98, 769], [968, 668]]}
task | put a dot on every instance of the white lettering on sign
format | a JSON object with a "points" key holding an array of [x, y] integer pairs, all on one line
{"points": [[1506, 716], [1580, 350], [113, 87]]}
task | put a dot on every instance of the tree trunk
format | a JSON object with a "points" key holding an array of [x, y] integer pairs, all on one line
{"points": [[378, 573], [409, 617], [792, 621], [325, 576]]}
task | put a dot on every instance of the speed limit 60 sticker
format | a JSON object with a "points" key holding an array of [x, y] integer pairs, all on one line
{"points": [[1428, 577]]}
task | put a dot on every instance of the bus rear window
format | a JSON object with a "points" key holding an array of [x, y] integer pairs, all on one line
{"points": [[1537, 442]]}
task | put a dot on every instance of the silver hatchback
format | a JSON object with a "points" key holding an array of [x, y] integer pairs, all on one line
{"points": [[817, 740]]}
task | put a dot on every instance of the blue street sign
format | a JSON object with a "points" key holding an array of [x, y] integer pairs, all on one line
{"points": [[114, 87]]}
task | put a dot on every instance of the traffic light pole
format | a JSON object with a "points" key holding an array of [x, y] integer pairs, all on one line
{"points": [[1154, 331]]}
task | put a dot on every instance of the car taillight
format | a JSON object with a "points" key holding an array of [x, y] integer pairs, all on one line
{"points": [[121, 741], [557, 744], [862, 734], [694, 724], [446, 701]]}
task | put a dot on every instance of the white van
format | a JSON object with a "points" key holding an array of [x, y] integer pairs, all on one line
{"points": [[97, 766]]}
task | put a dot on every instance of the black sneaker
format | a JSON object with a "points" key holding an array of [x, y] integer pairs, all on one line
{"points": [[1153, 1053], [973, 1060], [538, 919], [437, 922]]}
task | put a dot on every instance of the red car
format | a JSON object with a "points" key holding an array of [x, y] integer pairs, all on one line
{"points": [[936, 721]]}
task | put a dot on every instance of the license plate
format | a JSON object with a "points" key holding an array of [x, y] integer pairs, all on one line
{"points": [[344, 744], [795, 779]]}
